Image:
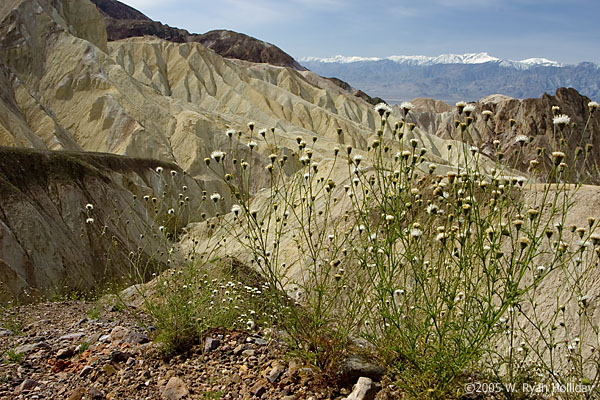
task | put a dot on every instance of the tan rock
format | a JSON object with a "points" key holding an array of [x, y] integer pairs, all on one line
{"points": [[364, 389], [175, 389], [77, 394]]}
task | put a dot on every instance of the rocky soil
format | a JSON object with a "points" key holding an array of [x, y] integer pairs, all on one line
{"points": [[83, 350]]}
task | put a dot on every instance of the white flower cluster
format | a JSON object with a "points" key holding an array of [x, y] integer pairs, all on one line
{"points": [[383, 108], [561, 120]]}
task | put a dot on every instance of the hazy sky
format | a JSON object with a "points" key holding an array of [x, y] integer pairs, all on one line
{"points": [[561, 30]]}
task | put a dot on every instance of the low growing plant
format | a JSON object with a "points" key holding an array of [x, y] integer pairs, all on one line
{"points": [[215, 293], [13, 357]]}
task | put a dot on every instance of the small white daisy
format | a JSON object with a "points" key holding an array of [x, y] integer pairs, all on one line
{"points": [[407, 106], [540, 270], [383, 108], [230, 133], [416, 232], [432, 209], [440, 237], [521, 139], [561, 120], [469, 108], [217, 155], [558, 156]]}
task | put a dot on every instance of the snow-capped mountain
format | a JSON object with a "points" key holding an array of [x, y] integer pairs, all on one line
{"points": [[467, 58], [454, 77]]}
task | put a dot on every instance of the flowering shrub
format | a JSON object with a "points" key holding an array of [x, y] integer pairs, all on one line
{"points": [[450, 270]]}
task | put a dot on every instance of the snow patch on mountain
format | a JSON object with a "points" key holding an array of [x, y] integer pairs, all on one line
{"points": [[541, 61]]}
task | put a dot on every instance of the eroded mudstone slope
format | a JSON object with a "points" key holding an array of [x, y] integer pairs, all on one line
{"points": [[147, 97], [70, 221]]}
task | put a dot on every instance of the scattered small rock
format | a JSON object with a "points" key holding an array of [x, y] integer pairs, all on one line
{"points": [[118, 356], [249, 352], [259, 388], [276, 372], [235, 379], [104, 338], [77, 394], [91, 339], [5, 333], [134, 337], [30, 348], [211, 344], [109, 370], [261, 341], [118, 333], [65, 353], [239, 348], [27, 385], [175, 389], [72, 336], [121, 366], [85, 371], [294, 365], [95, 394], [364, 389], [356, 366]]}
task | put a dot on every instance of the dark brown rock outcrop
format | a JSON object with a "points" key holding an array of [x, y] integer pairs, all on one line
{"points": [[356, 92], [118, 10], [123, 22], [231, 44]]}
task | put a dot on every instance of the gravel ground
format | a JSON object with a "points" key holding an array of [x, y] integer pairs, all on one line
{"points": [[81, 350]]}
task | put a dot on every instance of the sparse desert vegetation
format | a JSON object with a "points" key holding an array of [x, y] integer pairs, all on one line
{"points": [[178, 222], [469, 272]]}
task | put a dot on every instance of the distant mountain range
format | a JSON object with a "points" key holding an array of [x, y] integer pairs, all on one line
{"points": [[468, 58], [453, 77]]}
